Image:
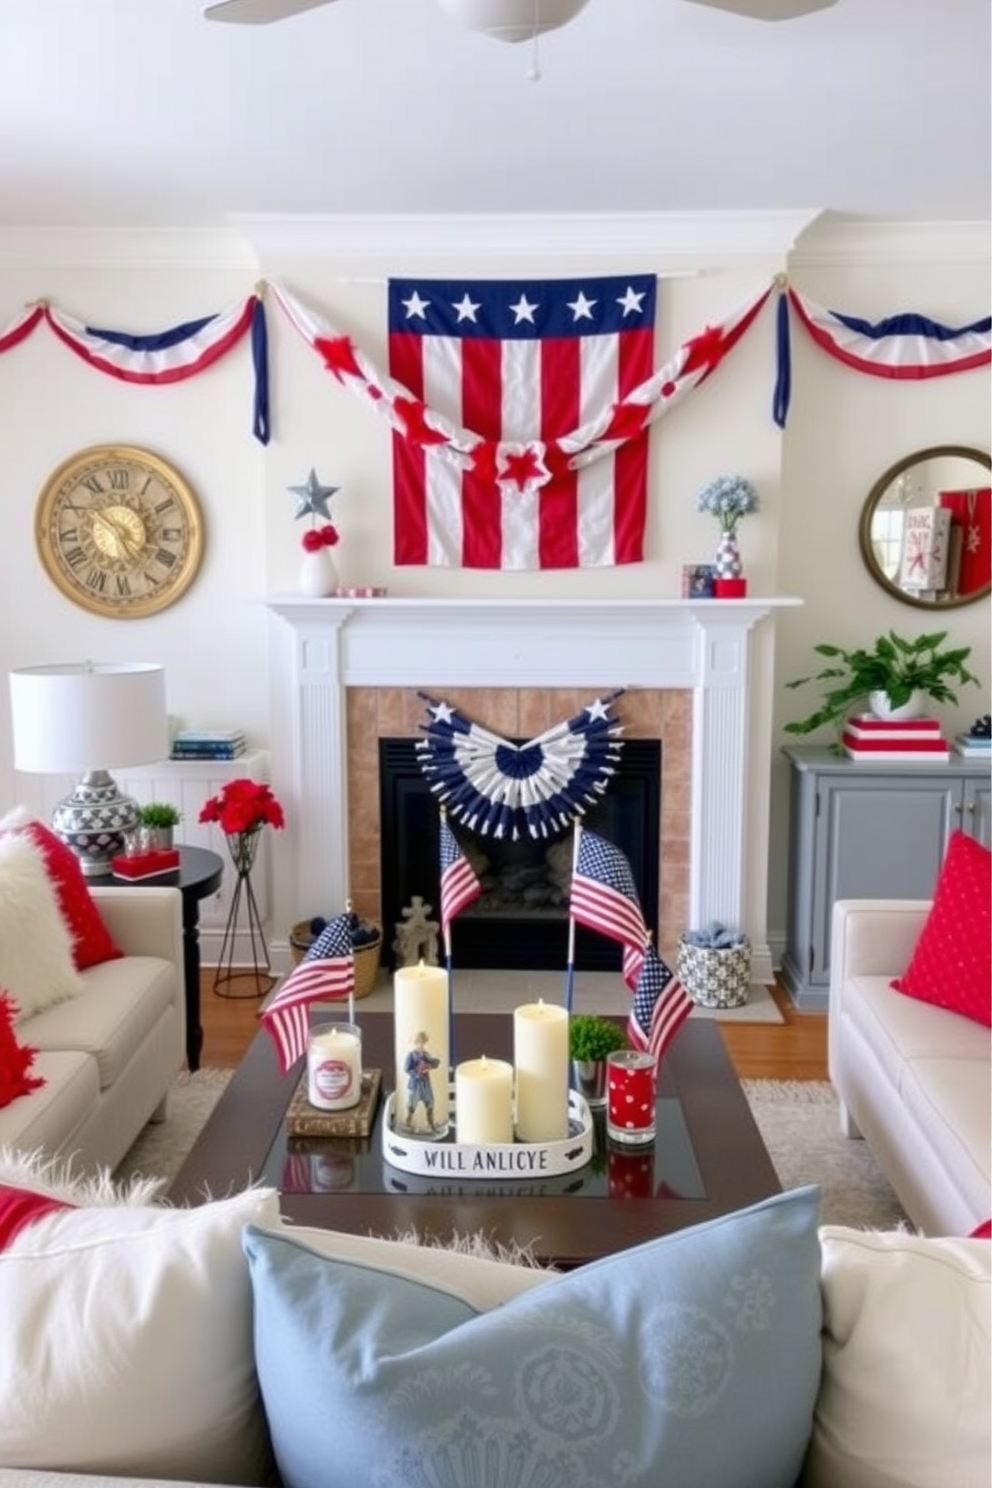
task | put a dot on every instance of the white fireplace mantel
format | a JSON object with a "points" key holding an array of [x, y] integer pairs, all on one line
{"points": [[718, 649]]}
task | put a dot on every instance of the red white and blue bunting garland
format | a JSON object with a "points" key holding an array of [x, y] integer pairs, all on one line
{"points": [[900, 347], [504, 790], [528, 466], [166, 356], [907, 346]]}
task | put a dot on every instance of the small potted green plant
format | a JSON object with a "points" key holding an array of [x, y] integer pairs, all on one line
{"points": [[157, 820], [590, 1039], [895, 674]]}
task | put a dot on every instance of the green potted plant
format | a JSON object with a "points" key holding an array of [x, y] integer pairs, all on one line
{"points": [[590, 1039], [157, 820], [892, 678]]}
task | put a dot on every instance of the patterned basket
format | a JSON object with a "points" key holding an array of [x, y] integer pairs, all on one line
{"points": [[715, 978], [366, 956]]}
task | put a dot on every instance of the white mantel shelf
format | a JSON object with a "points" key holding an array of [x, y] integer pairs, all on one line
{"points": [[715, 648]]}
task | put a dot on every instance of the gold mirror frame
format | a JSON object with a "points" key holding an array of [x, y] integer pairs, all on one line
{"points": [[867, 539]]}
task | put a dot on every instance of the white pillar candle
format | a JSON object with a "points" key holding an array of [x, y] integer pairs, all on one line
{"points": [[484, 1101], [334, 1066], [540, 1058], [420, 1024]]}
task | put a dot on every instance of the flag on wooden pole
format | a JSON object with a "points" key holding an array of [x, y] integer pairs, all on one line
{"points": [[326, 974]]}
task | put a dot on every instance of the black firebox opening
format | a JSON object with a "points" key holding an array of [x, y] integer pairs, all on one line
{"points": [[520, 922]]}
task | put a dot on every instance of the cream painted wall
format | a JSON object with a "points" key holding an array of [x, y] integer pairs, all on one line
{"points": [[843, 430]]}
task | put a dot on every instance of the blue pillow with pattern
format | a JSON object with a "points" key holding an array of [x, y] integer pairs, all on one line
{"points": [[693, 1359]]}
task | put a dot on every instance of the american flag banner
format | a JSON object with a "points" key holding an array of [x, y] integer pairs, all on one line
{"points": [[459, 884], [660, 1006], [604, 898], [521, 364], [326, 974]]}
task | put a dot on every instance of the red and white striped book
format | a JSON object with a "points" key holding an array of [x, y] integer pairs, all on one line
{"points": [[923, 747], [867, 723]]}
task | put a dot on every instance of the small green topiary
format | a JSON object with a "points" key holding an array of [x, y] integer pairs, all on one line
{"points": [[591, 1038]]}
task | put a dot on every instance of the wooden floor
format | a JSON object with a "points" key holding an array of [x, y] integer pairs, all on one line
{"points": [[793, 1050]]}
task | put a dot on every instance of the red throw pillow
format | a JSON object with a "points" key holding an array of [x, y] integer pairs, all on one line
{"points": [[982, 1231], [15, 1059], [91, 940], [951, 965]]}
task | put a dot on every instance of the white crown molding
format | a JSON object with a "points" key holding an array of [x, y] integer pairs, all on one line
{"points": [[836, 240], [412, 236], [112, 247]]}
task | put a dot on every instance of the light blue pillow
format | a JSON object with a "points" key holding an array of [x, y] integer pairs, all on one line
{"points": [[691, 1360]]}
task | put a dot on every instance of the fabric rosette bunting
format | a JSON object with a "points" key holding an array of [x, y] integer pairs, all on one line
{"points": [[504, 790]]}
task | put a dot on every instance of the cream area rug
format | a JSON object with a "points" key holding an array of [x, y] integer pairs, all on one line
{"points": [[799, 1123], [592, 992]]}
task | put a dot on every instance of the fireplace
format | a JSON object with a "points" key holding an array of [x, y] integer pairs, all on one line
{"points": [[520, 921], [345, 671]]}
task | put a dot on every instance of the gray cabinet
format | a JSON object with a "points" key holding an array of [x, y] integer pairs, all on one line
{"points": [[860, 831]]}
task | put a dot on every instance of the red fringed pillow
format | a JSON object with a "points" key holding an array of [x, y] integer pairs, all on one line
{"points": [[92, 942], [15, 1059], [951, 965]]}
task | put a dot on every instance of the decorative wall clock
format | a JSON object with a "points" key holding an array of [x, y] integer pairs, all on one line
{"points": [[119, 531]]}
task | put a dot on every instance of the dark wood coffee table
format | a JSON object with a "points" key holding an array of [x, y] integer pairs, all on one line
{"points": [[708, 1158]]}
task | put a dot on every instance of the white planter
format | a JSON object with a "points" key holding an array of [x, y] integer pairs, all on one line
{"points": [[882, 708], [318, 574]]}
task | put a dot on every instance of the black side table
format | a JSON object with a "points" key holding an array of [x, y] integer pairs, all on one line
{"points": [[198, 876]]}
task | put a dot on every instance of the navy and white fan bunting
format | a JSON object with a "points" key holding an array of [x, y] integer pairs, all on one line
{"points": [[505, 790]]}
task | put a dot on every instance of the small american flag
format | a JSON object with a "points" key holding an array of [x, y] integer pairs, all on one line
{"points": [[326, 974], [459, 885], [660, 1006], [604, 898]]}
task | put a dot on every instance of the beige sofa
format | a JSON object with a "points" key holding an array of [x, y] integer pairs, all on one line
{"points": [[109, 1055], [914, 1080]]}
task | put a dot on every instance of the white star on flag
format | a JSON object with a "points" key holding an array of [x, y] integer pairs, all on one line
{"points": [[523, 310], [415, 305], [630, 301], [581, 308], [466, 308]]}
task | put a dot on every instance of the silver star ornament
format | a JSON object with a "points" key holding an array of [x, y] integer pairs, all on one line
{"points": [[312, 499]]}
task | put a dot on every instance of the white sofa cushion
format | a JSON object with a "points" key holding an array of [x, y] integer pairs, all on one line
{"points": [[51, 1114], [906, 1393], [36, 963], [120, 1003], [126, 1343]]}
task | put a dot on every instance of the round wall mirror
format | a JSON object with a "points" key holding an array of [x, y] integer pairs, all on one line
{"points": [[926, 527]]}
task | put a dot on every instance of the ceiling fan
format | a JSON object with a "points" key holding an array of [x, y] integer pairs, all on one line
{"points": [[504, 20]]}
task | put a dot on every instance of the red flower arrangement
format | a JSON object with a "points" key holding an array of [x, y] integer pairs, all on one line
{"points": [[316, 538], [243, 806]]}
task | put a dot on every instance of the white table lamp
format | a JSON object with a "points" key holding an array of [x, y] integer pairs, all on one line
{"points": [[84, 717]]}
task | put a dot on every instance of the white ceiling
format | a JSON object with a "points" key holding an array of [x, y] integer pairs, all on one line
{"points": [[141, 113]]}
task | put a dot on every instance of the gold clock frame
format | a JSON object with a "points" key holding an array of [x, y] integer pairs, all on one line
{"points": [[133, 561]]}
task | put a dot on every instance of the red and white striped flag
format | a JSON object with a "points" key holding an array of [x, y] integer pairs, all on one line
{"points": [[660, 1006], [326, 974], [604, 898], [459, 884], [524, 365]]}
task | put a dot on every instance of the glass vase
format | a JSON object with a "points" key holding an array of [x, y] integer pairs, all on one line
{"points": [[256, 977]]}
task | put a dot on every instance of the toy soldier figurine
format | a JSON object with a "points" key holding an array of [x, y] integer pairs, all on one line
{"points": [[417, 1066]]}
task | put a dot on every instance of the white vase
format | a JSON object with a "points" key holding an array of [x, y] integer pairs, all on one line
{"points": [[318, 574], [915, 707], [727, 564]]}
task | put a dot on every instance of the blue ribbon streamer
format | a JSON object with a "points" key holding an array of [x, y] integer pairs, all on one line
{"points": [[783, 362], [260, 360]]}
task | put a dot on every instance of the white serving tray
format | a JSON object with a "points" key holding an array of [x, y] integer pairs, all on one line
{"points": [[493, 1161]]}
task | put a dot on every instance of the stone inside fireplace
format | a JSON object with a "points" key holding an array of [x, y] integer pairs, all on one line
{"points": [[657, 735]]}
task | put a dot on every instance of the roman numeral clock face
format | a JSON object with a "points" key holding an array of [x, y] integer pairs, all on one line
{"points": [[119, 531]]}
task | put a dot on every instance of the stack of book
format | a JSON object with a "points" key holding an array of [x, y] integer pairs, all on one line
{"points": [[199, 744], [974, 746], [866, 737]]}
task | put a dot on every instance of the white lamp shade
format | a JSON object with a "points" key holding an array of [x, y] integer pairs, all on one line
{"points": [[77, 717]]}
